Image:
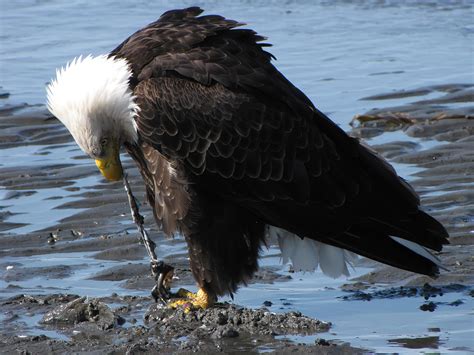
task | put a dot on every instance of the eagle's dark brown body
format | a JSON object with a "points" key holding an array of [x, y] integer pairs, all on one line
{"points": [[227, 145]]}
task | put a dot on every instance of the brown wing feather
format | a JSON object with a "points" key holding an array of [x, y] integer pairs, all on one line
{"points": [[175, 31], [166, 190], [259, 154]]}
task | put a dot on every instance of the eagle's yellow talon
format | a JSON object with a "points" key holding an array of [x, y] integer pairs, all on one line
{"points": [[183, 293], [192, 301]]}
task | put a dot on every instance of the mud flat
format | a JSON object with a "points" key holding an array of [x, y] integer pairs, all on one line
{"points": [[75, 280]]}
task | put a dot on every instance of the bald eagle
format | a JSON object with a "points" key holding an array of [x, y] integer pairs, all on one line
{"points": [[227, 147]]}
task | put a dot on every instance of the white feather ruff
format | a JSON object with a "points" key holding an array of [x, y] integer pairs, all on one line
{"points": [[92, 94], [307, 254]]}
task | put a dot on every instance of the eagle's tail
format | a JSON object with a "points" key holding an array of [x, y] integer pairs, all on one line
{"points": [[403, 245]]}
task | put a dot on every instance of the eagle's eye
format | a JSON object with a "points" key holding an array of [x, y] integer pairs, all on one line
{"points": [[103, 142]]}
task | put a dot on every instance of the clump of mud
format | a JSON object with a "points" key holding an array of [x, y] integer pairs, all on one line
{"points": [[227, 320], [81, 310]]}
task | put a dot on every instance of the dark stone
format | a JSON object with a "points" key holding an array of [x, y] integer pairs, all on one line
{"points": [[322, 342], [430, 306]]}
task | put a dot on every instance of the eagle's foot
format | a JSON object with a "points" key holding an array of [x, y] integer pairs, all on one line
{"points": [[163, 274], [192, 301]]}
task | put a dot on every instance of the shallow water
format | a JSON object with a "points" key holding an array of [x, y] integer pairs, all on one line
{"points": [[336, 52]]}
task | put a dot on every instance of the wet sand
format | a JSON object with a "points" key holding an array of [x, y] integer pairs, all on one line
{"points": [[437, 144]]}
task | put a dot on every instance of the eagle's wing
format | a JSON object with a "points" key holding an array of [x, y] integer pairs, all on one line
{"points": [[256, 150], [241, 131], [262, 155]]}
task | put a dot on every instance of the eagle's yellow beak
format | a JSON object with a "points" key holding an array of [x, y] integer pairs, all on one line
{"points": [[110, 166]]}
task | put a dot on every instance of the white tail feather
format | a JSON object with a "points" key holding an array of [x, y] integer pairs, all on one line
{"points": [[307, 254], [332, 261]]}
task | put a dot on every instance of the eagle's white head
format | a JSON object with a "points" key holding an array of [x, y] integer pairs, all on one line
{"points": [[92, 98]]}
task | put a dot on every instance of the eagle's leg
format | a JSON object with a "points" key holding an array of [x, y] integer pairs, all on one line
{"points": [[223, 247], [189, 300]]}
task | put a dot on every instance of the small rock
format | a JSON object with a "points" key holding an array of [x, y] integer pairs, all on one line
{"points": [[430, 306], [76, 233], [322, 342], [81, 310], [267, 303], [355, 286], [225, 332], [231, 333], [221, 319], [51, 239], [69, 313], [121, 320]]}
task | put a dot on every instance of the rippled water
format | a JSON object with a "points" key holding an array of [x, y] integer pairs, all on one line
{"points": [[336, 51]]}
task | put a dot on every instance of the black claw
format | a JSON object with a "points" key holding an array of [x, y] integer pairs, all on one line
{"points": [[163, 275], [158, 295]]}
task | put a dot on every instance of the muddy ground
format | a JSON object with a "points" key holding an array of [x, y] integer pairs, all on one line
{"points": [[441, 150]]}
